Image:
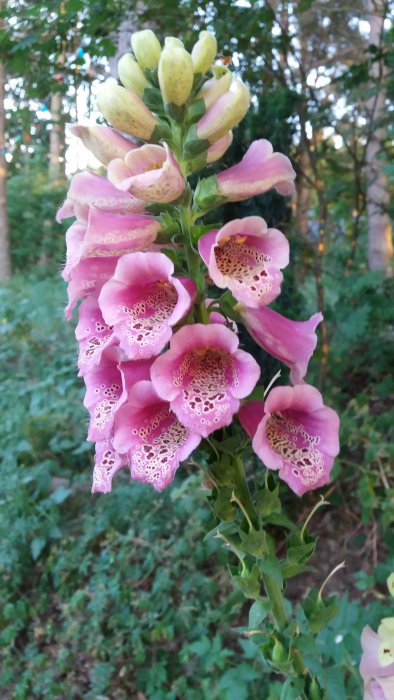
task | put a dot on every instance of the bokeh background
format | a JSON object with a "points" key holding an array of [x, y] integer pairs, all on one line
{"points": [[117, 597]]}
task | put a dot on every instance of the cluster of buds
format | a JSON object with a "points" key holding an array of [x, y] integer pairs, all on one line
{"points": [[159, 347]]}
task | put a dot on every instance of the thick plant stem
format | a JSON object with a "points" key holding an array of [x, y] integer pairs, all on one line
{"points": [[273, 591]]}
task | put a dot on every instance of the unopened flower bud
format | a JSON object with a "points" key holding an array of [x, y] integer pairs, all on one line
{"points": [[131, 75], [172, 42], [146, 48], [219, 147], [175, 76], [125, 110], [215, 87], [225, 113], [204, 52], [279, 654]]}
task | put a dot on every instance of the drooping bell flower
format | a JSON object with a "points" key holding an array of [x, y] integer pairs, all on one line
{"points": [[107, 462], [126, 111], [218, 149], [105, 143], [259, 171], [215, 87], [297, 435], [246, 257], [87, 278], [143, 301], [225, 113], [108, 234], [94, 337], [149, 433], [204, 375], [377, 661], [291, 342], [108, 387], [87, 189], [150, 173]]}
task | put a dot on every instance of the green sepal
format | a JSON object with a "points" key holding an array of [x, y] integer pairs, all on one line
{"points": [[176, 112], [152, 76], [161, 132], [223, 471], [268, 501], [222, 506], [195, 112], [318, 611], [207, 195], [226, 304], [197, 163], [249, 582], [193, 145], [153, 100], [254, 542], [169, 227]]}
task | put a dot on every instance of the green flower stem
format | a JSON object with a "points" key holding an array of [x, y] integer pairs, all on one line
{"points": [[273, 591], [193, 261]]}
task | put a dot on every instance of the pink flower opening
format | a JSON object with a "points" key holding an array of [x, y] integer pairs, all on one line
{"points": [[246, 257], [94, 337], [259, 170], [149, 433], [87, 278], [297, 435], [150, 173], [87, 189], [291, 342], [203, 375], [107, 234], [143, 301], [107, 462]]}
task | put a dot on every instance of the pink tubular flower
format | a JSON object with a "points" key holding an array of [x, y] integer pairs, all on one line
{"points": [[107, 234], [224, 114], [203, 375], [87, 278], [219, 148], [143, 301], [150, 173], [105, 143], [246, 257], [107, 388], [150, 434], [377, 661], [107, 462], [94, 337], [87, 189], [297, 435], [259, 170], [291, 342]]}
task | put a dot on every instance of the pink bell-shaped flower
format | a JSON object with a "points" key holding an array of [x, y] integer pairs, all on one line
{"points": [[105, 143], [87, 278], [149, 433], [203, 375], [107, 462], [295, 433], [87, 189], [246, 257], [291, 342], [143, 301], [150, 173]]}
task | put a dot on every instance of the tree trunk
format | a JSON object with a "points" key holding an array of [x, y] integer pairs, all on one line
{"points": [[303, 200], [380, 239], [5, 259], [56, 139]]}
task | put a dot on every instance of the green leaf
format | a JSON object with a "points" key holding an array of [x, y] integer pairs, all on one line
{"points": [[292, 689], [60, 495], [268, 501], [258, 612], [223, 508], [249, 583], [254, 542], [271, 566], [37, 546]]}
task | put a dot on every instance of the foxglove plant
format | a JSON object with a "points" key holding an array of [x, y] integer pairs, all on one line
{"points": [[163, 297]]}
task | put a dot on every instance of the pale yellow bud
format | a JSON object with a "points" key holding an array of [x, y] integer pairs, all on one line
{"points": [[175, 76], [225, 113], [125, 110], [131, 74], [204, 52], [172, 42], [146, 48], [215, 87]]}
